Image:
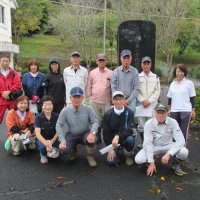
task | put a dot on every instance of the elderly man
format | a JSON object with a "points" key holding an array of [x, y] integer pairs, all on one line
{"points": [[75, 75], [149, 91], [119, 128], [162, 135], [99, 87], [9, 82], [81, 124], [125, 78]]}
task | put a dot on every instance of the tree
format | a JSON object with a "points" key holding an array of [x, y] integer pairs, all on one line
{"points": [[27, 17], [165, 14], [78, 20]]}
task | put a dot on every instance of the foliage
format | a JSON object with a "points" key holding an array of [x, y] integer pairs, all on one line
{"points": [[42, 70], [28, 17], [158, 72], [186, 34], [196, 121]]}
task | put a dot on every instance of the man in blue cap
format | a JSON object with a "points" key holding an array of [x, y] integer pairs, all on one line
{"points": [[81, 124], [125, 78], [74, 75]]}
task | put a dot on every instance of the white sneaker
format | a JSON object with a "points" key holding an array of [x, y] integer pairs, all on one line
{"points": [[43, 159]]}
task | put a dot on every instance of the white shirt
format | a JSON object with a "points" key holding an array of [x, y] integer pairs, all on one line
{"points": [[72, 79], [180, 93], [5, 72]]}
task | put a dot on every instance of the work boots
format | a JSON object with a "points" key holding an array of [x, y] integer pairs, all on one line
{"points": [[90, 156], [129, 157]]}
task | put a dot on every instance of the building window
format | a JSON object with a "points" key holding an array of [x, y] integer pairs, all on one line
{"points": [[2, 14]]}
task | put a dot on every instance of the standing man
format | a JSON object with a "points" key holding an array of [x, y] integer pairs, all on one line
{"points": [[9, 82], [149, 91], [162, 135], [99, 88], [125, 78], [75, 75], [81, 124], [119, 128]]}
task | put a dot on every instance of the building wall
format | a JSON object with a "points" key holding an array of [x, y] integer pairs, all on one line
{"points": [[5, 28]]}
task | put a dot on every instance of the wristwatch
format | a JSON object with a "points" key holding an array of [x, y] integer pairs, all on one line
{"points": [[94, 132]]}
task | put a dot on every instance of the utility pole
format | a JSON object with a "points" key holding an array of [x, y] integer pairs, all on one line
{"points": [[104, 27]]}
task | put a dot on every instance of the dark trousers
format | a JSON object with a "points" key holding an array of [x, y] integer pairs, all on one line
{"points": [[73, 140], [183, 119]]}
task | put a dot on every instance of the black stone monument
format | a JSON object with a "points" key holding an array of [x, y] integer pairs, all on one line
{"points": [[139, 37]]}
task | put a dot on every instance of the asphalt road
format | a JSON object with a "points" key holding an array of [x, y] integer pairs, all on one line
{"points": [[24, 178]]}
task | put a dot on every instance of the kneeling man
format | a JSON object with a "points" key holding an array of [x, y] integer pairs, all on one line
{"points": [[119, 128], [81, 124], [162, 135]]}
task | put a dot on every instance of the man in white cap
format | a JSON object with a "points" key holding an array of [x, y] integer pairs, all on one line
{"points": [[119, 129], [162, 135], [75, 75]]}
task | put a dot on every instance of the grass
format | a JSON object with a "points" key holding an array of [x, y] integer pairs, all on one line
{"points": [[43, 46]]}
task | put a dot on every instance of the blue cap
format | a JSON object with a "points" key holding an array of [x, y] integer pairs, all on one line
{"points": [[76, 91], [126, 52], [146, 59], [75, 53]]}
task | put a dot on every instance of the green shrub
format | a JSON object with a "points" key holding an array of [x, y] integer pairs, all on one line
{"points": [[196, 121], [158, 71], [42, 69]]}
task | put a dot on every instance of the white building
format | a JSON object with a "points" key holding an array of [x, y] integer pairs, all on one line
{"points": [[6, 44]]}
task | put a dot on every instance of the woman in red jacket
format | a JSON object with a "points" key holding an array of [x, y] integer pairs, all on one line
{"points": [[20, 124]]}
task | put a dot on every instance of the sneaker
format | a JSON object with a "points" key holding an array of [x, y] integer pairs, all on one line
{"points": [[91, 161], [73, 155], [43, 159], [178, 171], [129, 161], [16, 153]]}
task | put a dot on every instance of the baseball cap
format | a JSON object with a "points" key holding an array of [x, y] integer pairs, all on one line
{"points": [[101, 56], [161, 106], [117, 93], [125, 52], [76, 91], [75, 53], [146, 59], [54, 59]]}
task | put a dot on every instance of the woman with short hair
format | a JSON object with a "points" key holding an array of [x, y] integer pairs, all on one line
{"points": [[45, 130], [32, 85], [181, 96]]}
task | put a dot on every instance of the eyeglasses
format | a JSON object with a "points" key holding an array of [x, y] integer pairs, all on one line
{"points": [[101, 60]]}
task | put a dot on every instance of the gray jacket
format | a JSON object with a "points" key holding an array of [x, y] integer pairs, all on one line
{"points": [[156, 134], [76, 122]]}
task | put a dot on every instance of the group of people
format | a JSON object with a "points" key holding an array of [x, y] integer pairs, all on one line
{"points": [[53, 116]]}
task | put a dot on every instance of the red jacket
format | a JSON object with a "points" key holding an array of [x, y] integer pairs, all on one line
{"points": [[11, 82]]}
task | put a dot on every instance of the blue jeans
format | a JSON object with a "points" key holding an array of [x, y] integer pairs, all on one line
{"points": [[128, 145], [42, 147], [73, 140]]}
